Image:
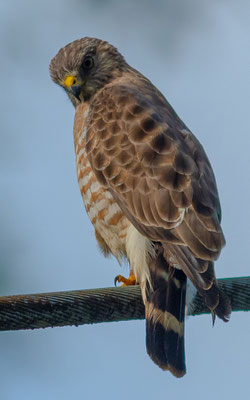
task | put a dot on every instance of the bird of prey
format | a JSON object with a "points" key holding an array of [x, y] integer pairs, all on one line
{"points": [[148, 188]]}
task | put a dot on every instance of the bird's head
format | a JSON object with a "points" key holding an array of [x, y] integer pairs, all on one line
{"points": [[85, 66]]}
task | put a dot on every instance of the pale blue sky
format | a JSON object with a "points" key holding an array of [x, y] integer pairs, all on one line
{"points": [[197, 53]]}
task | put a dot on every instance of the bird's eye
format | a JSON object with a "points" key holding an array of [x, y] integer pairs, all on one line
{"points": [[88, 62]]}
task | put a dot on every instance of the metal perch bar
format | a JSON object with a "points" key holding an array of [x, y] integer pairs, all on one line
{"points": [[91, 306]]}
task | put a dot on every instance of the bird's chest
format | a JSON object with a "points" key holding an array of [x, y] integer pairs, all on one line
{"points": [[104, 213]]}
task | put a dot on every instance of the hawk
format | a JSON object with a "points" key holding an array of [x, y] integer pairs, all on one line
{"points": [[148, 188]]}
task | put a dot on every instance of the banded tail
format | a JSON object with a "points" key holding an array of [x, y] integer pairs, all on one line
{"points": [[165, 312], [165, 300]]}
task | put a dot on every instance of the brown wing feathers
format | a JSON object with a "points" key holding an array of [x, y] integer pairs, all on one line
{"points": [[159, 175], [158, 172]]}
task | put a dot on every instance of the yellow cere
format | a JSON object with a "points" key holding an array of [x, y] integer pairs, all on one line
{"points": [[70, 80]]}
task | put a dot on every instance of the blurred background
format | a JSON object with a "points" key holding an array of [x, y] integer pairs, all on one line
{"points": [[197, 53]]}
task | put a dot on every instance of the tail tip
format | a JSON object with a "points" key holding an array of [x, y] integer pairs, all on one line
{"points": [[224, 308], [178, 373]]}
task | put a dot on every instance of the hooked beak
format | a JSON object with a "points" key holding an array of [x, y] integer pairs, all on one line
{"points": [[76, 90], [73, 85]]}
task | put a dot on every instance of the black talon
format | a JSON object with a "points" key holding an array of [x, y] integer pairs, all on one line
{"points": [[116, 279]]}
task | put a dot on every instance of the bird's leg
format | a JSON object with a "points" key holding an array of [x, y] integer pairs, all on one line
{"points": [[126, 281]]}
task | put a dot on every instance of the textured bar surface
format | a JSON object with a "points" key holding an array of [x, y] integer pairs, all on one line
{"points": [[90, 306]]}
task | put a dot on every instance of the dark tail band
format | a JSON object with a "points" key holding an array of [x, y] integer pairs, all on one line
{"points": [[165, 311]]}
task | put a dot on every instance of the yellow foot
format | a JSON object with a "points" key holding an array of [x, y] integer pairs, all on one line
{"points": [[126, 282]]}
